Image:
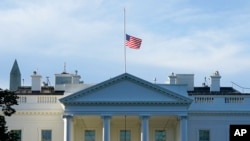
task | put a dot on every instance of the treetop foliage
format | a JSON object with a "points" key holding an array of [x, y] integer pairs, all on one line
{"points": [[7, 100]]}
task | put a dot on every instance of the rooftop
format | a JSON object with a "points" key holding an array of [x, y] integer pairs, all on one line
{"points": [[223, 91], [45, 90]]}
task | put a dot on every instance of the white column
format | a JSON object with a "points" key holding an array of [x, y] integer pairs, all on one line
{"points": [[106, 128], [67, 127], [144, 127], [183, 128]]}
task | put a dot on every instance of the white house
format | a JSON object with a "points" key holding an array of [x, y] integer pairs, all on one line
{"points": [[128, 108]]}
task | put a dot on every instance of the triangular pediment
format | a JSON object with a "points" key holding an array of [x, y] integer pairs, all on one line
{"points": [[125, 88]]}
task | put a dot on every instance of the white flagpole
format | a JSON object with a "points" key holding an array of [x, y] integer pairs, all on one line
{"points": [[125, 41]]}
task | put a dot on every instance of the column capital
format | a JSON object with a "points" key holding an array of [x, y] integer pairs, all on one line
{"points": [[182, 117], [145, 116], [68, 116], [106, 116]]}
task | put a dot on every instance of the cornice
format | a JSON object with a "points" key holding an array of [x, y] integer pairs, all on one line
{"points": [[134, 103], [40, 113], [212, 113]]}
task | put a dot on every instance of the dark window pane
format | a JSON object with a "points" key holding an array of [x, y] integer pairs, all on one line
{"points": [[17, 134], [204, 135], [125, 135], [46, 135], [89, 135], [160, 135]]}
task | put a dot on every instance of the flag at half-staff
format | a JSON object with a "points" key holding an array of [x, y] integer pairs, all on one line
{"points": [[133, 42]]}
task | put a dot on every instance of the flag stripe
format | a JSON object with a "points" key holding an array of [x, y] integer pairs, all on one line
{"points": [[133, 42]]}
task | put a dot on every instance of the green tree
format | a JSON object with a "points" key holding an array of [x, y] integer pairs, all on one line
{"points": [[7, 100]]}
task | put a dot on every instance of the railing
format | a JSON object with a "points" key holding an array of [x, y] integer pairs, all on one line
{"points": [[234, 99], [226, 100], [22, 99], [44, 99], [244, 89], [203, 99]]}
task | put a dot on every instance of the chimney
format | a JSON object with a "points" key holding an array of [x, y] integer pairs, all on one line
{"points": [[36, 82], [172, 78], [187, 79], [215, 82]]}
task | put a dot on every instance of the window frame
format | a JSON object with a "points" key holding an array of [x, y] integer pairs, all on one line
{"points": [[159, 129], [41, 134], [18, 130], [209, 136], [84, 133], [126, 134]]}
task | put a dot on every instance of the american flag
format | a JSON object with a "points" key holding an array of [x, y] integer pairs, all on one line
{"points": [[133, 42]]}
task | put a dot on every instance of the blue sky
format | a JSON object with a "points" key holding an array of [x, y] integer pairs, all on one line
{"points": [[180, 36]]}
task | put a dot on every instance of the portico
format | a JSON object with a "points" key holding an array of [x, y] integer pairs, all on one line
{"points": [[125, 108]]}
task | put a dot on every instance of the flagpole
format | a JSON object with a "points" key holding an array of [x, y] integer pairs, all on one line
{"points": [[125, 59]]}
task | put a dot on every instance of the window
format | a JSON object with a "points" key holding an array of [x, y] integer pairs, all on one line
{"points": [[125, 135], [204, 135], [63, 80], [160, 135], [89, 135], [46, 135], [17, 134]]}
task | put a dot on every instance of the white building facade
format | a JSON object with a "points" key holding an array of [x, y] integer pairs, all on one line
{"points": [[128, 108]]}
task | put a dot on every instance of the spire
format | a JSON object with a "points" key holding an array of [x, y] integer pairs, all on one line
{"points": [[15, 77], [64, 70]]}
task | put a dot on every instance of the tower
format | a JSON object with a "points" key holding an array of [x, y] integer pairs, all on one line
{"points": [[15, 77]]}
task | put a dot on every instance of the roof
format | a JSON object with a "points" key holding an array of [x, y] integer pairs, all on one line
{"points": [[45, 90], [223, 91], [127, 89]]}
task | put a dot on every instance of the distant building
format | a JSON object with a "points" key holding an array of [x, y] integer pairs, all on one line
{"points": [[128, 108], [15, 77]]}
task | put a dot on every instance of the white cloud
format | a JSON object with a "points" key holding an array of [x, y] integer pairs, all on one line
{"points": [[197, 52], [178, 35]]}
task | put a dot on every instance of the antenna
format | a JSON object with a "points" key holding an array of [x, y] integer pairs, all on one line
{"points": [[48, 81], [155, 80], [64, 67], [204, 84]]}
